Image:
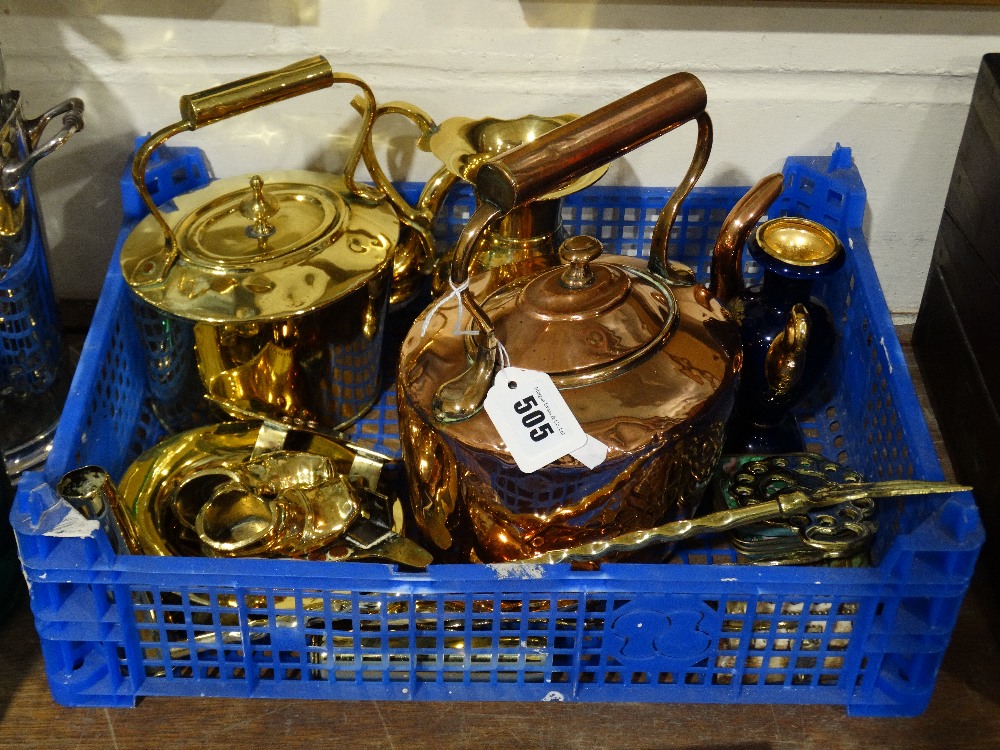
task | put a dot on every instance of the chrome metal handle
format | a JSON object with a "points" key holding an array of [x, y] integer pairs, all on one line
{"points": [[72, 122]]}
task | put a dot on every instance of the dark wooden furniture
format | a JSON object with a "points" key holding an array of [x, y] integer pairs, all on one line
{"points": [[956, 339]]}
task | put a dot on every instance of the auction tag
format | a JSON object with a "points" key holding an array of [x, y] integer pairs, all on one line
{"points": [[533, 418], [592, 454]]}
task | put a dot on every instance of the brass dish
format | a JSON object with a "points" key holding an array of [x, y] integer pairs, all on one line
{"points": [[263, 490]]}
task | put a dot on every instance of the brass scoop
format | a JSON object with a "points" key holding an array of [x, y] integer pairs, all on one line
{"points": [[829, 531]]}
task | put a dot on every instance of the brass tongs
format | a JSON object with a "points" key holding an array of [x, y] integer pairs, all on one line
{"points": [[828, 531]]}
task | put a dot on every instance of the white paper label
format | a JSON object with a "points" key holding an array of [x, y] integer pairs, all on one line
{"points": [[534, 420], [592, 454]]}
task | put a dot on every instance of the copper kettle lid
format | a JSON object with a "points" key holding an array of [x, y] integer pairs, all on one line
{"points": [[586, 321], [252, 248]]}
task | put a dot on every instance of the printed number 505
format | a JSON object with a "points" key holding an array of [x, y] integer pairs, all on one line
{"points": [[533, 418]]}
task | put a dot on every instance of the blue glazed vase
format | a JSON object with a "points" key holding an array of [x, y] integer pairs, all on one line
{"points": [[787, 332]]}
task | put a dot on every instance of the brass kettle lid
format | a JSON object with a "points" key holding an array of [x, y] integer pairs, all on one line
{"points": [[260, 248], [464, 144], [586, 321]]}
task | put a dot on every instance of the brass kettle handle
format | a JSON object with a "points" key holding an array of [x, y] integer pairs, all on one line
{"points": [[235, 98], [533, 169], [419, 218]]}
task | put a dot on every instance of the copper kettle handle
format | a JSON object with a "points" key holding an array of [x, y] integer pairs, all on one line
{"points": [[539, 167], [235, 98], [726, 279], [581, 145]]}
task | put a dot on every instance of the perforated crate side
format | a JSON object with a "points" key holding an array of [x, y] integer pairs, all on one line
{"points": [[107, 419], [31, 351], [115, 629], [868, 638]]}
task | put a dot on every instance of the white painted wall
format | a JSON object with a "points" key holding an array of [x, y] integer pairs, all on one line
{"points": [[892, 82]]}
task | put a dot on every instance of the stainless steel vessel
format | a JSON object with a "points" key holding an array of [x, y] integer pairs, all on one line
{"points": [[34, 367]]}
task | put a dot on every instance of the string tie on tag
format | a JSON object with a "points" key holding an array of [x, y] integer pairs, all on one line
{"points": [[456, 292], [502, 356]]}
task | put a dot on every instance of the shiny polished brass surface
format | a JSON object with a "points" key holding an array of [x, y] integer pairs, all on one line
{"points": [[326, 245], [786, 354], [525, 240], [284, 503], [826, 531], [287, 326], [798, 241], [415, 254], [259, 90], [264, 490], [268, 292], [726, 281], [229, 100], [464, 144]]}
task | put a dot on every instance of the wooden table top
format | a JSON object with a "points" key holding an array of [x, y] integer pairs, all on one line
{"points": [[964, 711]]}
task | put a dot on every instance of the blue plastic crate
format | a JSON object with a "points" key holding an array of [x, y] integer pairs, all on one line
{"points": [[114, 629]]}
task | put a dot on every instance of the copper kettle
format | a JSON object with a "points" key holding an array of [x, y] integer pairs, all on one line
{"points": [[647, 360]]}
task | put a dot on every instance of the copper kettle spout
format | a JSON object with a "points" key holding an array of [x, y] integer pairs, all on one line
{"points": [[726, 281]]}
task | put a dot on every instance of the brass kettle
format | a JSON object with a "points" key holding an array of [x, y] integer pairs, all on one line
{"points": [[265, 293], [521, 242], [646, 359]]}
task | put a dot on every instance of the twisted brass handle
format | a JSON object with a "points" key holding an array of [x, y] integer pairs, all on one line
{"points": [[786, 505]]}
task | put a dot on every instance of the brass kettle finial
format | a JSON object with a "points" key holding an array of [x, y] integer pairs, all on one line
{"points": [[259, 208]]}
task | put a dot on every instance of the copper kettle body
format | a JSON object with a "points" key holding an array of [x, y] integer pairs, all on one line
{"points": [[647, 360]]}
